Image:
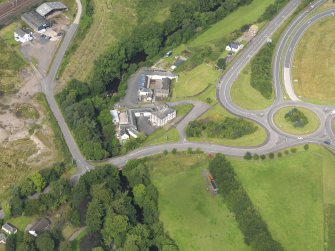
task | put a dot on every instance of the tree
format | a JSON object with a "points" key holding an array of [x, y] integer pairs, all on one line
{"points": [[38, 181], [94, 216], [27, 187], [271, 155], [139, 194], [114, 230], [65, 246], [16, 204], [247, 156], [174, 151], [293, 150], [61, 190], [256, 156], [279, 155], [11, 243], [221, 63], [263, 156], [306, 147], [44, 242]]}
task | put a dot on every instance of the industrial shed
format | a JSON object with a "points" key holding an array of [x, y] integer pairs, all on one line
{"points": [[36, 21], [50, 7]]}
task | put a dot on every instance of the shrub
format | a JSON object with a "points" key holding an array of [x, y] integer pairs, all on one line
{"points": [[286, 152], [189, 150], [263, 156], [174, 150], [279, 155], [247, 156], [165, 152], [256, 156], [293, 150], [296, 117], [271, 155], [306, 147]]}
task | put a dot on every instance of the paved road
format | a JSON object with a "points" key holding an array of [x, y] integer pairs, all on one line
{"points": [[276, 139]]}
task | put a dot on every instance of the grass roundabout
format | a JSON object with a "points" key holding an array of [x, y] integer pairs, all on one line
{"points": [[303, 121]]}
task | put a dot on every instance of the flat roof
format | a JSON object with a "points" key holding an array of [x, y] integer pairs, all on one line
{"points": [[45, 8]]}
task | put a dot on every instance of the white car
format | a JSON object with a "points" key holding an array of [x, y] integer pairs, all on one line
{"points": [[300, 138], [332, 112]]}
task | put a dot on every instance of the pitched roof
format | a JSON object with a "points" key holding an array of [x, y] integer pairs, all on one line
{"points": [[45, 8], [9, 227], [35, 20], [40, 225], [20, 32], [234, 45]]}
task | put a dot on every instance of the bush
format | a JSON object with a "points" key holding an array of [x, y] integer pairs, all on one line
{"points": [[263, 156], [256, 156], [174, 151], [279, 155], [165, 152], [286, 152], [306, 147], [271, 155], [247, 156], [189, 150], [293, 150]]}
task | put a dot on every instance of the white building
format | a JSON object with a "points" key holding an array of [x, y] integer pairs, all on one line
{"points": [[162, 116], [145, 94], [9, 228], [234, 47], [22, 36], [115, 117]]}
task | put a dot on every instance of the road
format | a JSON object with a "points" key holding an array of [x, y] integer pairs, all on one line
{"points": [[276, 139]]}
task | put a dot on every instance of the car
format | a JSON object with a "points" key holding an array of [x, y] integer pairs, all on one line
{"points": [[300, 138], [327, 142], [332, 112]]}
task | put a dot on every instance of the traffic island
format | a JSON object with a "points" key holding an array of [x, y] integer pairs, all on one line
{"points": [[296, 120]]}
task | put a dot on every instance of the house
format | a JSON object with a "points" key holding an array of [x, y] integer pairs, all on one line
{"points": [[159, 74], [162, 115], [234, 47], [145, 94], [115, 117], [50, 7], [9, 228], [36, 21], [123, 135], [40, 226], [3, 238], [22, 36]]}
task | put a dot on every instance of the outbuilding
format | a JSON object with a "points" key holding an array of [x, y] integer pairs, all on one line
{"points": [[40, 226], [50, 7], [234, 46], [36, 21]]}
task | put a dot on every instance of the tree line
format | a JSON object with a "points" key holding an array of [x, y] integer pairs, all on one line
{"points": [[255, 231], [230, 128], [85, 105], [261, 71]]}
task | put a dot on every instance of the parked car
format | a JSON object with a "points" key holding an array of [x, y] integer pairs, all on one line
{"points": [[327, 142]]}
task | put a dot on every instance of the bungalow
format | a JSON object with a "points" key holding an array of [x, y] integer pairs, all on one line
{"points": [[39, 227], [9, 228], [234, 47], [22, 36]]}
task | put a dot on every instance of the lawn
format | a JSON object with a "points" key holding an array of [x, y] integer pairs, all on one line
{"points": [[245, 96], [111, 21], [218, 113], [21, 222], [162, 136], [312, 125], [195, 81], [290, 193], [192, 216], [314, 64]]}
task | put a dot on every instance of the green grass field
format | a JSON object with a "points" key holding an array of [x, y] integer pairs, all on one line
{"points": [[291, 194], [245, 96], [312, 125], [314, 64], [192, 216], [218, 113]]}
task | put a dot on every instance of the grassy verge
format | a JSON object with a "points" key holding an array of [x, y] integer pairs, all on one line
{"points": [[218, 113], [314, 64], [193, 217], [247, 97], [162, 136], [312, 125]]}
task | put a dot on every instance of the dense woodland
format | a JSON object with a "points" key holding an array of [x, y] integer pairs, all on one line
{"points": [[229, 128], [85, 105], [255, 231], [119, 209]]}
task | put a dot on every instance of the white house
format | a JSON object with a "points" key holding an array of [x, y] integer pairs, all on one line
{"points": [[22, 36], [9, 228], [234, 47], [162, 116]]}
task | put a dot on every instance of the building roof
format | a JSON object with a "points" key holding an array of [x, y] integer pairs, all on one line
{"points": [[40, 225], [115, 116], [2, 238], [234, 45], [9, 227], [163, 111], [148, 90], [35, 20], [161, 73], [20, 32], [45, 8]]}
